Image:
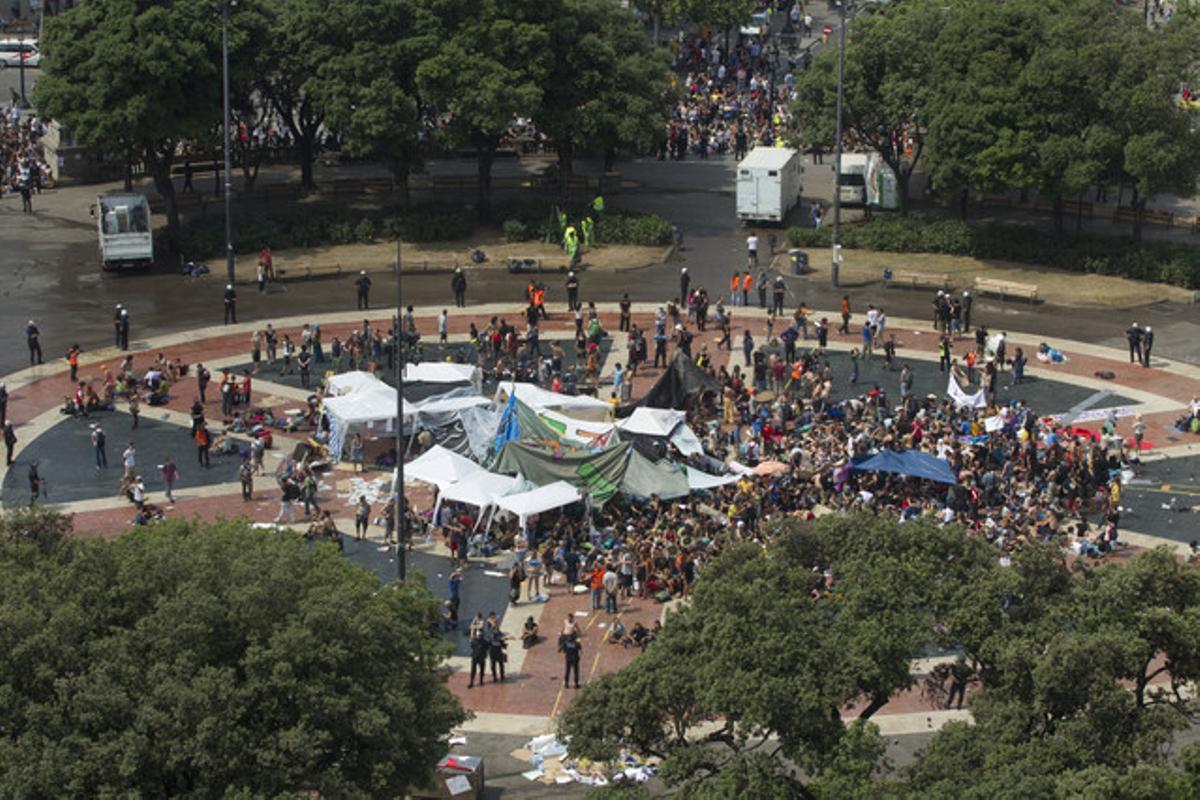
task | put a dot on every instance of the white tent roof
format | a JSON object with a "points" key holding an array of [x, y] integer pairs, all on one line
{"points": [[437, 404], [348, 382], [544, 498], [440, 466], [480, 489], [538, 398], [698, 480], [440, 372], [653, 421], [370, 403]]}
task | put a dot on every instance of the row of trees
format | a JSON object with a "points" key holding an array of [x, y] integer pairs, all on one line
{"points": [[1082, 675], [394, 79], [211, 660], [1053, 97]]}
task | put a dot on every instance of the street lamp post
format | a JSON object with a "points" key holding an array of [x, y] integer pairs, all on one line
{"points": [[837, 153], [401, 554], [227, 140]]}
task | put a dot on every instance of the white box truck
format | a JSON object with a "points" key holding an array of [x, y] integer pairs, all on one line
{"points": [[866, 180], [768, 184], [123, 224]]}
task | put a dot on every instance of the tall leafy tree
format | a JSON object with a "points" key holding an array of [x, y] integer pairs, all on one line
{"points": [[213, 660], [776, 655], [886, 89], [134, 78], [490, 67], [608, 87], [302, 37], [369, 89]]}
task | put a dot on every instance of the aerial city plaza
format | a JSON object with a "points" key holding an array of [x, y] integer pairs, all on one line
{"points": [[588, 398]]}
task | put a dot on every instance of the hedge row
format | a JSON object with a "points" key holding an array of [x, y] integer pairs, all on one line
{"points": [[1161, 262], [317, 227], [612, 227]]}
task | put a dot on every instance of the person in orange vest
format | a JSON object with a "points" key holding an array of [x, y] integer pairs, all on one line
{"points": [[73, 362], [747, 285], [845, 329], [735, 288], [539, 299], [597, 585], [529, 291]]}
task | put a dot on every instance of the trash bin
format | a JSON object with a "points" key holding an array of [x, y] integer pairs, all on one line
{"points": [[799, 261]]}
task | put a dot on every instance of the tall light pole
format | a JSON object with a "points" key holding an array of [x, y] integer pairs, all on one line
{"points": [[837, 153], [401, 554], [228, 141]]}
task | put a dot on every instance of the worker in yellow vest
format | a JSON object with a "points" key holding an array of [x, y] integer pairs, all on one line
{"points": [[598, 205], [589, 231], [571, 244]]}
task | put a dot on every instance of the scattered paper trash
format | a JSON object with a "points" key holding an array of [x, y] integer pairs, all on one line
{"points": [[457, 740], [493, 573], [533, 775], [581, 613]]}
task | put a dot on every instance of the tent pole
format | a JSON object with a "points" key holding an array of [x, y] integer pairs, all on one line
{"points": [[401, 522]]}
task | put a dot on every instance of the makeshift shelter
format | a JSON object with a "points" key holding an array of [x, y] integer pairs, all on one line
{"points": [[441, 372], [370, 408], [600, 472], [537, 501], [479, 489], [699, 481], [573, 405], [441, 467], [644, 477], [662, 424], [913, 463], [349, 382], [679, 385]]}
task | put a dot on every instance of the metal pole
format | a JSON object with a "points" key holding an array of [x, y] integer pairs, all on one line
{"points": [[228, 142], [401, 554], [837, 153], [21, 64]]}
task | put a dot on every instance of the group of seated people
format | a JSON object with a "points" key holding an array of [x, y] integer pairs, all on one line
{"points": [[639, 636], [152, 388], [323, 527]]}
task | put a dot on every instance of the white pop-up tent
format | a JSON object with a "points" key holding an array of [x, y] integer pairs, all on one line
{"points": [[700, 481], [663, 423], [480, 489], [349, 382], [539, 399], [371, 407], [442, 372], [441, 467], [543, 498]]}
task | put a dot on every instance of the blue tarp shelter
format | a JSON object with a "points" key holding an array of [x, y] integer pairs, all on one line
{"points": [[913, 463]]}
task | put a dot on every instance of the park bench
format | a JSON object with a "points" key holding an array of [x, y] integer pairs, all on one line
{"points": [[1126, 214], [1006, 289], [914, 280]]}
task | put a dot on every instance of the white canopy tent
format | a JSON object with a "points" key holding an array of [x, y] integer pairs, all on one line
{"points": [[663, 423], [480, 489], [441, 372], [369, 407], [653, 421], [543, 498], [441, 467], [539, 399], [350, 382]]}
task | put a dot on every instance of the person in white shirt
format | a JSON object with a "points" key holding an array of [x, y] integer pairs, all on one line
{"points": [[442, 326], [752, 250], [129, 458]]}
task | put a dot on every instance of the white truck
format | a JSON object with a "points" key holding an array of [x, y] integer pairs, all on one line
{"points": [[866, 180], [768, 184], [123, 224]]}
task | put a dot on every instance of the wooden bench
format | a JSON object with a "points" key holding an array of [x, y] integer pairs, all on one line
{"points": [[1006, 289], [1126, 214], [914, 280]]}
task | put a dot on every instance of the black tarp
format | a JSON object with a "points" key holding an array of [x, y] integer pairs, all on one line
{"points": [[681, 383]]}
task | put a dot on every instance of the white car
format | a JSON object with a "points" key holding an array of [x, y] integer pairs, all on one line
{"points": [[759, 24], [13, 51]]}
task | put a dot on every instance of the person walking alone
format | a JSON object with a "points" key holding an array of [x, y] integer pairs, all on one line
{"points": [[230, 304], [572, 649], [33, 338], [98, 446], [458, 284], [363, 285], [170, 473], [10, 442]]}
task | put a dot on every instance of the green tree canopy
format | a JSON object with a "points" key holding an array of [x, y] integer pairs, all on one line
{"points": [[134, 79], [774, 646], [210, 660], [490, 67], [608, 87], [369, 89], [886, 89]]}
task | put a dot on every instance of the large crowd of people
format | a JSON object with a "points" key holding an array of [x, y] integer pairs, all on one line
{"points": [[22, 159]]}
